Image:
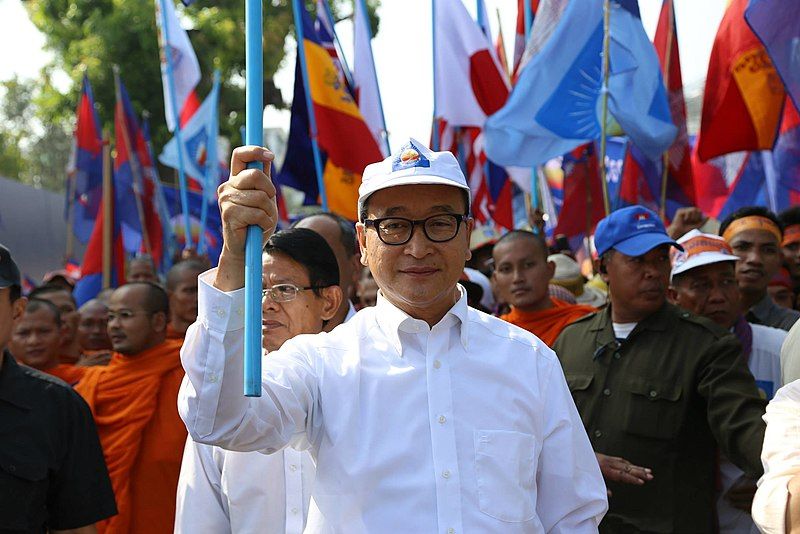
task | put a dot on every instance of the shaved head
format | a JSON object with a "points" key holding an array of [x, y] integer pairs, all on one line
{"points": [[515, 236], [177, 272]]}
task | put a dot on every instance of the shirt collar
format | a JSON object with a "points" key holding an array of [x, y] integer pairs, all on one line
{"points": [[762, 308], [351, 311], [12, 389], [392, 320]]}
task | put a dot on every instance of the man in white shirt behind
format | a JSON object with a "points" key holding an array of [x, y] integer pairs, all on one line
{"points": [[423, 415], [223, 491]]}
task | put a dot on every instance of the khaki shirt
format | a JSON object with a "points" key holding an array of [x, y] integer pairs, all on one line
{"points": [[664, 398]]}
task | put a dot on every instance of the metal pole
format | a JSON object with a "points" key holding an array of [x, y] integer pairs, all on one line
{"points": [[254, 119], [604, 103], [435, 137], [108, 223], [667, 67]]}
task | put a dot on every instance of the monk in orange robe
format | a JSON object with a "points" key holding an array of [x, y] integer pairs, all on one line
{"points": [[36, 341], [62, 298], [521, 278], [134, 403], [93, 334], [182, 291]]}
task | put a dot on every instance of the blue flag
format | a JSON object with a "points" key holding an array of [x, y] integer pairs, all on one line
{"points": [[777, 24], [199, 136], [555, 105]]}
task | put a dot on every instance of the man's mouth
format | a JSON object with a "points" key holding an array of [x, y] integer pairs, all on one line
{"points": [[419, 271], [270, 325]]}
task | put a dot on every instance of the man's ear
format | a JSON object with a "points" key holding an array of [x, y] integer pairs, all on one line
{"points": [[159, 321], [672, 294], [469, 226], [332, 296], [361, 234], [18, 308], [551, 270]]}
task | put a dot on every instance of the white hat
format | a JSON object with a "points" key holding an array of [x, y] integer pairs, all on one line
{"points": [[567, 269], [414, 164], [700, 249]]}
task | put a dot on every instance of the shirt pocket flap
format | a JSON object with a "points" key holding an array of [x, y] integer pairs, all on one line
{"points": [[579, 382], [654, 389], [23, 469]]}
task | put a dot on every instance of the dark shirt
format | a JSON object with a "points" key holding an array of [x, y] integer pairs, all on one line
{"points": [[52, 472], [766, 312], [665, 398]]}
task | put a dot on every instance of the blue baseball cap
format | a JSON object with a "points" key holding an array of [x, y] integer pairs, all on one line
{"points": [[634, 231]]}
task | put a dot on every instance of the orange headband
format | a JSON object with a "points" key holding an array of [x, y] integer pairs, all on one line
{"points": [[791, 235], [752, 222]]}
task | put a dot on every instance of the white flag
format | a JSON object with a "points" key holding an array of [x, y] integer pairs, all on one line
{"points": [[185, 68], [366, 79]]}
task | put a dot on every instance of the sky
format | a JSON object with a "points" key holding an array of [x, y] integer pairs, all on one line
{"points": [[402, 51]]}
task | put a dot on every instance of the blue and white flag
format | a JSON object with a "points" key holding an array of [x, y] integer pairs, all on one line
{"points": [[199, 136], [555, 106]]}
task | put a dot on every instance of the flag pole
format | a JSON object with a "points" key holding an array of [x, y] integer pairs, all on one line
{"points": [[70, 215], [108, 223], [254, 124], [312, 120], [339, 50], [385, 133], [187, 226], [138, 182], [534, 196], [604, 102], [667, 68], [435, 137]]}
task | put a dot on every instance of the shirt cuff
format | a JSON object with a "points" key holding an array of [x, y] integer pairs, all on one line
{"points": [[222, 311]]}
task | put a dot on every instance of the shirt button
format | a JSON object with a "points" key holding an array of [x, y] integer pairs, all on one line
{"points": [[617, 355], [436, 364], [295, 511], [293, 467], [598, 433], [12, 468], [220, 312], [451, 531], [653, 394], [442, 419], [607, 392], [213, 378], [445, 474]]}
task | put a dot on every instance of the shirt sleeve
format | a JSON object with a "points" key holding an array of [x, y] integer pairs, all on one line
{"points": [[734, 406], [570, 488], [781, 459], [200, 507], [81, 493], [211, 400]]}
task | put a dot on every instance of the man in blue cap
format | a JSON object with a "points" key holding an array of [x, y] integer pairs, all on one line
{"points": [[658, 387]]}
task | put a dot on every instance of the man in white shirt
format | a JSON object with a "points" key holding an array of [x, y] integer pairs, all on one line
{"points": [[776, 507], [703, 281], [223, 491], [423, 415]]}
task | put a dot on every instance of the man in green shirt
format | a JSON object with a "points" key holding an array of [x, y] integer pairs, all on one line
{"points": [[657, 387]]}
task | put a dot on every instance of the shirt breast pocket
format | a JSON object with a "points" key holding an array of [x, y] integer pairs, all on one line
{"points": [[22, 493], [654, 410], [505, 470]]}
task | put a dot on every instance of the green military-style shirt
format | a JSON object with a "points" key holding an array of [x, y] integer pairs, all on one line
{"points": [[664, 398]]}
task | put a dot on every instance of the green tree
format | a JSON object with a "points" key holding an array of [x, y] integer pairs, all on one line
{"points": [[96, 34]]}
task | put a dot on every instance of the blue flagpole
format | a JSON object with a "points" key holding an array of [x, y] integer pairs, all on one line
{"points": [[312, 120], [435, 136], [187, 226], [212, 168], [528, 13], [254, 118], [375, 75]]}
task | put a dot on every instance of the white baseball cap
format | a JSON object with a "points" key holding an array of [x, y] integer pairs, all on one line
{"points": [[413, 164], [700, 249]]}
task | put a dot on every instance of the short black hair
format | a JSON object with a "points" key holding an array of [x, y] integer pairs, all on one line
{"points": [[347, 230], [515, 235], [310, 250], [41, 304], [47, 289], [790, 216], [363, 211], [156, 299], [181, 267], [749, 211]]}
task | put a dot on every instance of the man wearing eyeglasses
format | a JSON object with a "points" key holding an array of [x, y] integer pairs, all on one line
{"points": [[133, 403], [423, 415], [223, 491]]}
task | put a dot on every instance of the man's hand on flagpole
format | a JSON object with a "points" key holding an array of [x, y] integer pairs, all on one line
{"points": [[247, 198]]}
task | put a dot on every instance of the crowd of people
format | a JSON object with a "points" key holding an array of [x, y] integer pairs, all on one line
{"points": [[415, 378]]}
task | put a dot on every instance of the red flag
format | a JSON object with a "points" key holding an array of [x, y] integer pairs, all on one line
{"points": [[679, 154], [583, 195], [744, 95]]}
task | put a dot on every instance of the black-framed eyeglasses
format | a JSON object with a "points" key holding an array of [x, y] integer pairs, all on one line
{"points": [[398, 230], [285, 292]]}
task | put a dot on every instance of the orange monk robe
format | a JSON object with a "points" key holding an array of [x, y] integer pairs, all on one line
{"points": [[68, 373], [174, 334], [548, 324], [134, 403]]}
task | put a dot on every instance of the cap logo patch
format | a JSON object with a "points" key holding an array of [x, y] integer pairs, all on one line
{"points": [[409, 157], [643, 221]]}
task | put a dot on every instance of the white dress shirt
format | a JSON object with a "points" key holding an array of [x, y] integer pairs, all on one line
{"points": [[765, 365], [464, 427], [781, 459], [221, 492]]}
